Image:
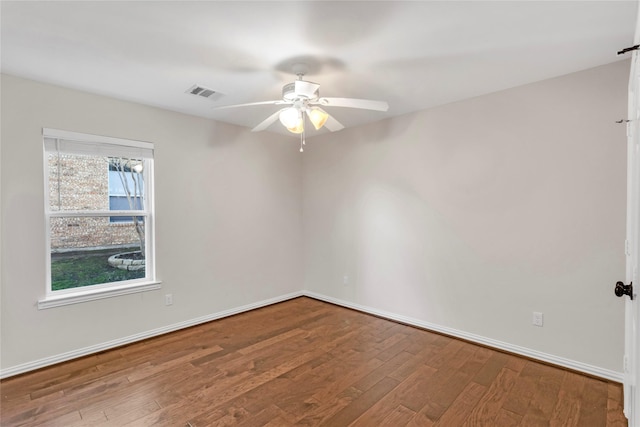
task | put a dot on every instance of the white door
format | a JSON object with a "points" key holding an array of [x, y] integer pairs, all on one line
{"points": [[632, 315]]}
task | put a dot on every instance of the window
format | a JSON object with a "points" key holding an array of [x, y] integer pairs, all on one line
{"points": [[99, 217]]}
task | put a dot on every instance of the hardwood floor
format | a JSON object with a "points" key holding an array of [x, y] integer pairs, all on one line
{"points": [[308, 363]]}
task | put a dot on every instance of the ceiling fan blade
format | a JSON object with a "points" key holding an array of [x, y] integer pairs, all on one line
{"points": [[306, 88], [332, 124], [267, 122], [367, 104], [277, 102]]}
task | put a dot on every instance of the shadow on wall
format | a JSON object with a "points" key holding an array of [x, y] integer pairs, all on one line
{"points": [[224, 134]]}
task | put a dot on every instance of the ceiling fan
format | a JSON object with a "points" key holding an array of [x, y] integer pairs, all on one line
{"points": [[301, 99]]}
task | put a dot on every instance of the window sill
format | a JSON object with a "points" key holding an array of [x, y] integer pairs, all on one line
{"points": [[95, 294]]}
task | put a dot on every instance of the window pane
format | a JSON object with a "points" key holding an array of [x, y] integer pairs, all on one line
{"points": [[125, 182], [120, 203], [92, 250], [78, 182]]}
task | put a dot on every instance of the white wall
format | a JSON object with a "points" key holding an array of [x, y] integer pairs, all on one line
{"points": [[469, 216], [473, 215], [228, 206]]}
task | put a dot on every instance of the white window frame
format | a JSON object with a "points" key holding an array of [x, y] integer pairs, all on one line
{"points": [[55, 140]]}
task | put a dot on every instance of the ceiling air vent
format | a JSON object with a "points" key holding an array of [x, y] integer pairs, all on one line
{"points": [[204, 92]]}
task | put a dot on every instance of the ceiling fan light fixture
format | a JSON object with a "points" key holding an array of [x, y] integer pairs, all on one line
{"points": [[317, 116], [289, 117], [299, 126], [302, 98]]}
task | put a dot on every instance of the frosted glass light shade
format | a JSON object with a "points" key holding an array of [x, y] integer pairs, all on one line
{"points": [[318, 117], [299, 126], [289, 117]]}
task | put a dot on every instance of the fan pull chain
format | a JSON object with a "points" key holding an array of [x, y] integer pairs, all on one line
{"points": [[302, 141]]}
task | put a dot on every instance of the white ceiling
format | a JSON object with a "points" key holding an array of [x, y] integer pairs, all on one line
{"points": [[415, 54]]}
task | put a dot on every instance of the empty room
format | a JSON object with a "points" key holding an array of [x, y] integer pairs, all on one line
{"points": [[319, 213]]}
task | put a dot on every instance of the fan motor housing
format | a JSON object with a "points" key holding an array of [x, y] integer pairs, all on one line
{"points": [[289, 92]]}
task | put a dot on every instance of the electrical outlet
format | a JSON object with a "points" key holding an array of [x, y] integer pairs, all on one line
{"points": [[168, 299], [345, 280], [537, 318]]}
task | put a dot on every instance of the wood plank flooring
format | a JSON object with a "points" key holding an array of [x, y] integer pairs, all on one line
{"points": [[307, 363]]}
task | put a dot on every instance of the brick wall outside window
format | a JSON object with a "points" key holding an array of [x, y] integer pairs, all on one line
{"points": [[85, 186]]}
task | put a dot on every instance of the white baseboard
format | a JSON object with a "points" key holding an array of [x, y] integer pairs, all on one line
{"points": [[500, 345], [47, 361]]}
